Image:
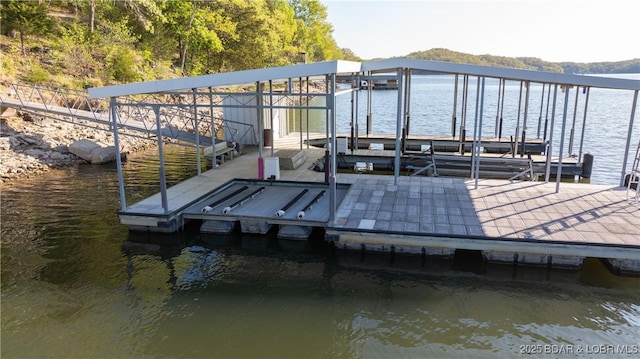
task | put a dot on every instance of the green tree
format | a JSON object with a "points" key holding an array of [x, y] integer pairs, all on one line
{"points": [[314, 35], [143, 13], [116, 41], [348, 54], [264, 35], [199, 29], [26, 17], [280, 33], [75, 50]]}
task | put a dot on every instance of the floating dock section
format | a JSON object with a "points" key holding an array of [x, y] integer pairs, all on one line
{"points": [[508, 221], [295, 207], [518, 222]]}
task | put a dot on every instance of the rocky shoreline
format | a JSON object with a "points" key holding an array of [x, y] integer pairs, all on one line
{"points": [[32, 145]]}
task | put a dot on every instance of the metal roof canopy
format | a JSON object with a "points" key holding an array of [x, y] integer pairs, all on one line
{"points": [[319, 69], [501, 72], [347, 67], [331, 70]]}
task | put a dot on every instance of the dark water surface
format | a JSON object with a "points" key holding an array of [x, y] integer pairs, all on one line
{"points": [[77, 284]]}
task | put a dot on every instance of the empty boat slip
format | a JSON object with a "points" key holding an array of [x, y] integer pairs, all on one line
{"points": [[258, 205]]}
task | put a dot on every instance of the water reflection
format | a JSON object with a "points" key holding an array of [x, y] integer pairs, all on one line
{"points": [[290, 299]]}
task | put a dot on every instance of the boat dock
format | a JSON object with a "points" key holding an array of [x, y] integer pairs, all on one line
{"points": [[422, 211], [507, 221]]}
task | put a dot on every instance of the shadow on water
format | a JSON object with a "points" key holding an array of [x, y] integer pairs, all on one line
{"points": [[345, 297], [465, 265]]}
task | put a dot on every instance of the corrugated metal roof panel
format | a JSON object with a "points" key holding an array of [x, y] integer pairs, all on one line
{"points": [[348, 67]]}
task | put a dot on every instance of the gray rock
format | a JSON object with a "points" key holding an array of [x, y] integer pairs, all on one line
{"points": [[29, 140], [5, 143], [6, 112], [57, 156], [14, 142], [35, 153], [84, 149], [103, 155], [62, 149]]}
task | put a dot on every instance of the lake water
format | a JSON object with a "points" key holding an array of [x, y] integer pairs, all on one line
{"points": [[431, 110], [76, 284]]}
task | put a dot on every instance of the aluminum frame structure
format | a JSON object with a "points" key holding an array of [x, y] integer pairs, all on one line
{"points": [[201, 91]]}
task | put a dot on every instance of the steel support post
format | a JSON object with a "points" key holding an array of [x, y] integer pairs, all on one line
{"points": [[163, 178], [479, 139], [562, 133], [396, 167], [629, 132], [196, 129], [116, 142]]}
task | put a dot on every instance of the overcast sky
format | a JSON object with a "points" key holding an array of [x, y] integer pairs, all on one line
{"points": [[553, 30]]}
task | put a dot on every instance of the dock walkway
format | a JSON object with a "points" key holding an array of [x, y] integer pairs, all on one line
{"points": [[143, 126], [518, 221]]}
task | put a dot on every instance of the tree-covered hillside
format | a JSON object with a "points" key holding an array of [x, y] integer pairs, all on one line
{"points": [[84, 43], [529, 63], [89, 43]]}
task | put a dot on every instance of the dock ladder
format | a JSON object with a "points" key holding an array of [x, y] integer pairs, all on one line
{"points": [[634, 177]]}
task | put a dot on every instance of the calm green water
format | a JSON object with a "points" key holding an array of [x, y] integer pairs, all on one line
{"points": [[77, 284]]}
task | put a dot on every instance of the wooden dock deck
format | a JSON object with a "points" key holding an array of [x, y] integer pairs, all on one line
{"points": [[508, 221]]}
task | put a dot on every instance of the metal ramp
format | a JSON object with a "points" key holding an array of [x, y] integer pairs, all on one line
{"points": [[147, 116]]}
